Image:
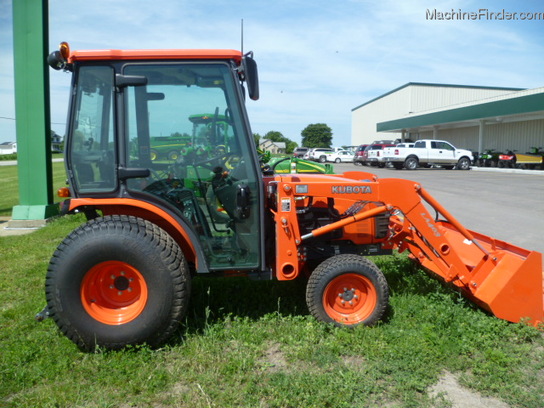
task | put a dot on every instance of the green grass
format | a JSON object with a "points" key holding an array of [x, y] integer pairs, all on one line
{"points": [[10, 188], [253, 344]]}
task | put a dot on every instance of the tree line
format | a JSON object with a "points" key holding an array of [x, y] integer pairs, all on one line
{"points": [[313, 135]]}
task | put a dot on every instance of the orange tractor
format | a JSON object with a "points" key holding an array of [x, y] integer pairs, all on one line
{"points": [[124, 277]]}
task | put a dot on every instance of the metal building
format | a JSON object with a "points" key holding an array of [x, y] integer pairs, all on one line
{"points": [[474, 118]]}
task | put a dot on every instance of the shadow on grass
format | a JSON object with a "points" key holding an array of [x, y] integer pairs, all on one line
{"points": [[213, 299]]}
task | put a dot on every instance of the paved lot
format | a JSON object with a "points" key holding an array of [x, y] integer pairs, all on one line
{"points": [[506, 206]]}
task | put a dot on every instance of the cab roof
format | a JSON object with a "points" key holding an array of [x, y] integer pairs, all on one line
{"points": [[173, 54]]}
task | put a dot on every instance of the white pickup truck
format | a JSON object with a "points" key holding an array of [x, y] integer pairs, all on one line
{"points": [[425, 153]]}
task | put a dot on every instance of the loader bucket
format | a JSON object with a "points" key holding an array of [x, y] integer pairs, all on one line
{"points": [[502, 278]]}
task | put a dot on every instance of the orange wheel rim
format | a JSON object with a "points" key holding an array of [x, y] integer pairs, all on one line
{"points": [[350, 298], [113, 292]]}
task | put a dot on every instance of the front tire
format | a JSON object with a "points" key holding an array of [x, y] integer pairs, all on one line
{"points": [[463, 164], [173, 155], [117, 281], [347, 290]]}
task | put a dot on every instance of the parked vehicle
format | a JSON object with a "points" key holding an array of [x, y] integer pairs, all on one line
{"points": [[374, 154], [531, 160], [341, 156], [300, 152], [358, 156], [123, 278], [507, 160], [428, 152], [320, 154], [489, 158], [168, 147], [282, 165]]}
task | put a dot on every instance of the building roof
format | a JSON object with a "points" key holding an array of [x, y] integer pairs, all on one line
{"points": [[268, 142], [512, 107], [435, 85]]}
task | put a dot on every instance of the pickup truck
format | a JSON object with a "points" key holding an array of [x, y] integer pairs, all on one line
{"points": [[425, 153]]}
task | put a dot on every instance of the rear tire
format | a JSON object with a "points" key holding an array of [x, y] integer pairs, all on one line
{"points": [[347, 290], [411, 163], [117, 281]]}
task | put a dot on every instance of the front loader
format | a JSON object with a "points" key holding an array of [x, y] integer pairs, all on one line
{"points": [[124, 277]]}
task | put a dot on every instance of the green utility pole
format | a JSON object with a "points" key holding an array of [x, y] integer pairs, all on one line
{"points": [[33, 123]]}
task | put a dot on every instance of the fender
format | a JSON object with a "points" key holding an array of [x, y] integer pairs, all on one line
{"points": [[171, 223]]}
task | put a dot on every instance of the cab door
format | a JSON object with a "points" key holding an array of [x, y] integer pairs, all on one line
{"points": [[211, 177], [442, 152]]}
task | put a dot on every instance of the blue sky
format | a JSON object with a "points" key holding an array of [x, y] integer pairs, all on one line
{"points": [[317, 59]]}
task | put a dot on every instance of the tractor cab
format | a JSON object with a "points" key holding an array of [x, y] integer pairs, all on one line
{"points": [[133, 133]]}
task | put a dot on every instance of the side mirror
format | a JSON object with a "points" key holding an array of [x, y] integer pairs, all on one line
{"points": [[56, 61], [251, 75]]}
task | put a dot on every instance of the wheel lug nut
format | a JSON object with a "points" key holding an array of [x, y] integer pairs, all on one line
{"points": [[111, 286]]}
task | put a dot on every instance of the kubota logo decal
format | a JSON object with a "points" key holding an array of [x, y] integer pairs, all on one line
{"points": [[351, 190]]}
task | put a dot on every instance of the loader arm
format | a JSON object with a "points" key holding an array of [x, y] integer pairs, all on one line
{"points": [[502, 278]]}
